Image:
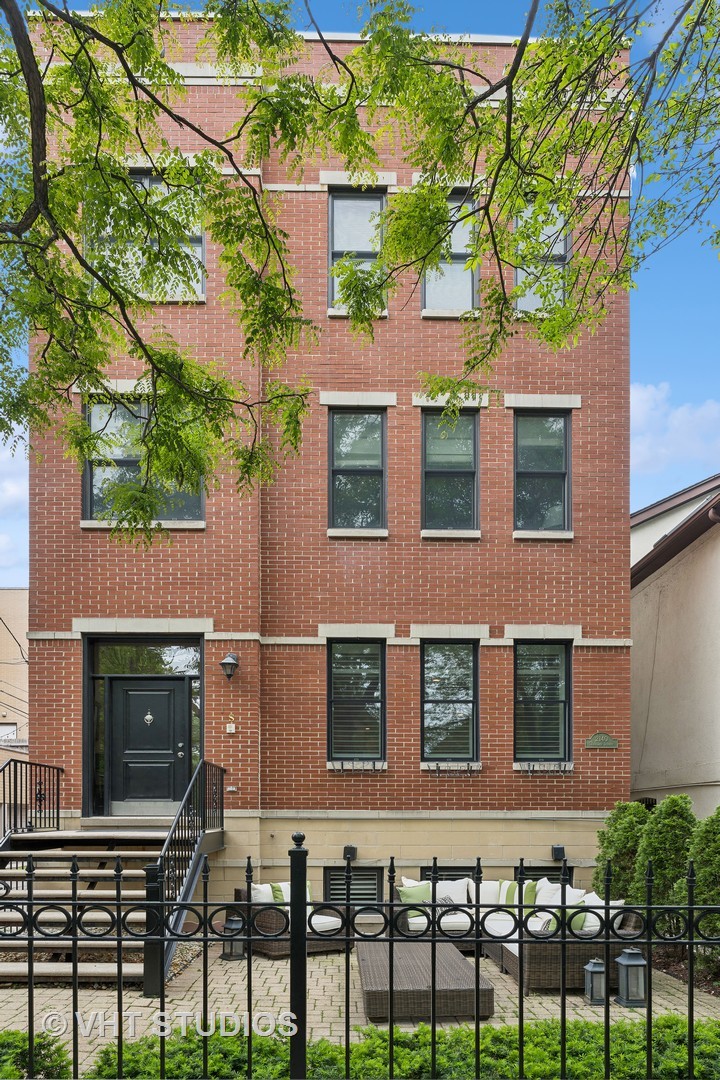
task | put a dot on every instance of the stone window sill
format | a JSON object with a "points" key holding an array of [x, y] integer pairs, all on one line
{"points": [[544, 766], [543, 534], [357, 534], [443, 313], [451, 766], [450, 534], [341, 313], [89, 523], [356, 766]]}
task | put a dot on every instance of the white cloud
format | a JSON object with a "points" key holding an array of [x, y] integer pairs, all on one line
{"points": [[666, 436], [13, 484]]}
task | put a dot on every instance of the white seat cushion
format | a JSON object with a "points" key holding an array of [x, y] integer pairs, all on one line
{"points": [[324, 924], [452, 923]]}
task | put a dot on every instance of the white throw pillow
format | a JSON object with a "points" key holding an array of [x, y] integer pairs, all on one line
{"points": [[261, 894], [593, 918], [456, 889], [489, 893], [410, 883], [547, 893]]}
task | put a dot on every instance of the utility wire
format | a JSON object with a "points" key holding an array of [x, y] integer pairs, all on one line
{"points": [[22, 651]]}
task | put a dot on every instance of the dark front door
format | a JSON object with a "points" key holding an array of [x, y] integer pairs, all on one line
{"points": [[151, 753]]}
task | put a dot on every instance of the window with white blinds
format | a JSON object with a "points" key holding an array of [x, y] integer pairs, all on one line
{"points": [[542, 701], [356, 697]]}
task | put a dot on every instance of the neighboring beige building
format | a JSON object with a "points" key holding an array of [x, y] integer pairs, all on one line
{"points": [[675, 613], [13, 669]]}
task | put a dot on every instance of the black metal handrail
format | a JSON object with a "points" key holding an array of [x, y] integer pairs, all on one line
{"points": [[29, 796], [174, 875]]}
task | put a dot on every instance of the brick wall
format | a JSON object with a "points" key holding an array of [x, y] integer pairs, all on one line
{"points": [[264, 565]]}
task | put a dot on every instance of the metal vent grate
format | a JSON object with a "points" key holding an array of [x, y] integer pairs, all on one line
{"points": [[366, 886]]}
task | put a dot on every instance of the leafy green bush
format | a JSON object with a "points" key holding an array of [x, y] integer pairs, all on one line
{"points": [[51, 1059], [665, 842], [618, 842], [455, 1053]]}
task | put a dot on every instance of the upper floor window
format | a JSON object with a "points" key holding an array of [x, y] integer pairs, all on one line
{"points": [[357, 469], [542, 472], [449, 701], [542, 701], [356, 700], [555, 239], [121, 427], [452, 287], [449, 471], [353, 219]]}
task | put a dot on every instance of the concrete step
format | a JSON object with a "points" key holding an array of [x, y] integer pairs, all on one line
{"points": [[62, 873], [85, 972], [66, 854], [113, 836], [65, 946], [104, 896]]}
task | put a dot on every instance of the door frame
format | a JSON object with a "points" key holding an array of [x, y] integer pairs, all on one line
{"points": [[89, 807]]}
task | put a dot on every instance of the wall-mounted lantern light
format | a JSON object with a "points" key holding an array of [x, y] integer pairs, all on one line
{"points": [[229, 665]]}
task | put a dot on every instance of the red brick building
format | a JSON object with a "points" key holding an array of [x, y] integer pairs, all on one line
{"points": [[428, 629]]}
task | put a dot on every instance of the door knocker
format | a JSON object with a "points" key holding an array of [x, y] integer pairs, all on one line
{"points": [[148, 718]]}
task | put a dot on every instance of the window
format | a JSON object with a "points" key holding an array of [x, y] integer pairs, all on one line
{"points": [[542, 701], [357, 470], [366, 886], [452, 287], [356, 699], [133, 257], [449, 697], [552, 873], [449, 472], [352, 228], [121, 426], [542, 471], [556, 239]]}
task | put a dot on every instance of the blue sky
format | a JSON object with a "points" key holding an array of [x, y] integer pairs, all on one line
{"points": [[675, 344]]}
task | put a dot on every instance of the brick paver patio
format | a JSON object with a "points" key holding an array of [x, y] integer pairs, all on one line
{"points": [[326, 997]]}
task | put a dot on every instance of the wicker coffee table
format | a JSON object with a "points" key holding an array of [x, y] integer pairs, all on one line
{"points": [[454, 982]]}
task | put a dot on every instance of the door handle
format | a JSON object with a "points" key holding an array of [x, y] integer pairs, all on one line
{"points": [[181, 753]]}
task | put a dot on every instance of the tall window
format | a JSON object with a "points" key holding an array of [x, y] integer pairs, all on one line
{"points": [[449, 696], [357, 456], [356, 698], [542, 473], [542, 701], [352, 228], [452, 287], [121, 428], [136, 260], [450, 471], [555, 240]]}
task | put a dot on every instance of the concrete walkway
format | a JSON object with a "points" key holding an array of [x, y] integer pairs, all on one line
{"points": [[270, 981]]}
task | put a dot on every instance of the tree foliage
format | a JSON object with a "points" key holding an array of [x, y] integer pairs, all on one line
{"points": [[84, 250], [618, 843], [665, 843]]}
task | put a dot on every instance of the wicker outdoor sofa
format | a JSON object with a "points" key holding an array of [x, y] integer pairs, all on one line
{"points": [[542, 949], [325, 932]]}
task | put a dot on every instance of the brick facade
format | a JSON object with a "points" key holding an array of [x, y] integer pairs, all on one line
{"points": [[264, 570]]}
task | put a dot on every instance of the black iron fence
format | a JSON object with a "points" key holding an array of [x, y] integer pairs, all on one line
{"points": [[29, 797], [408, 958]]}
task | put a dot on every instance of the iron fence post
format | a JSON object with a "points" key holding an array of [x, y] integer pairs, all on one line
{"points": [[298, 956], [154, 948]]}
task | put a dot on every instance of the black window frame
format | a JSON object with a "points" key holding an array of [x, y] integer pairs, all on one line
{"points": [[336, 254], [339, 872], [566, 473], [381, 756], [475, 749], [333, 470], [552, 873], [553, 259], [450, 472], [88, 510], [456, 257], [567, 718]]}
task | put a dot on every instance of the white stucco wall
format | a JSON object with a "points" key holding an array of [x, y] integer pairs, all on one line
{"points": [[644, 537], [13, 669], [676, 678]]}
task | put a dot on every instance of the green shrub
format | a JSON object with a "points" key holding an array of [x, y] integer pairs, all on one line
{"points": [[665, 842], [618, 842], [454, 1052], [51, 1059]]}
